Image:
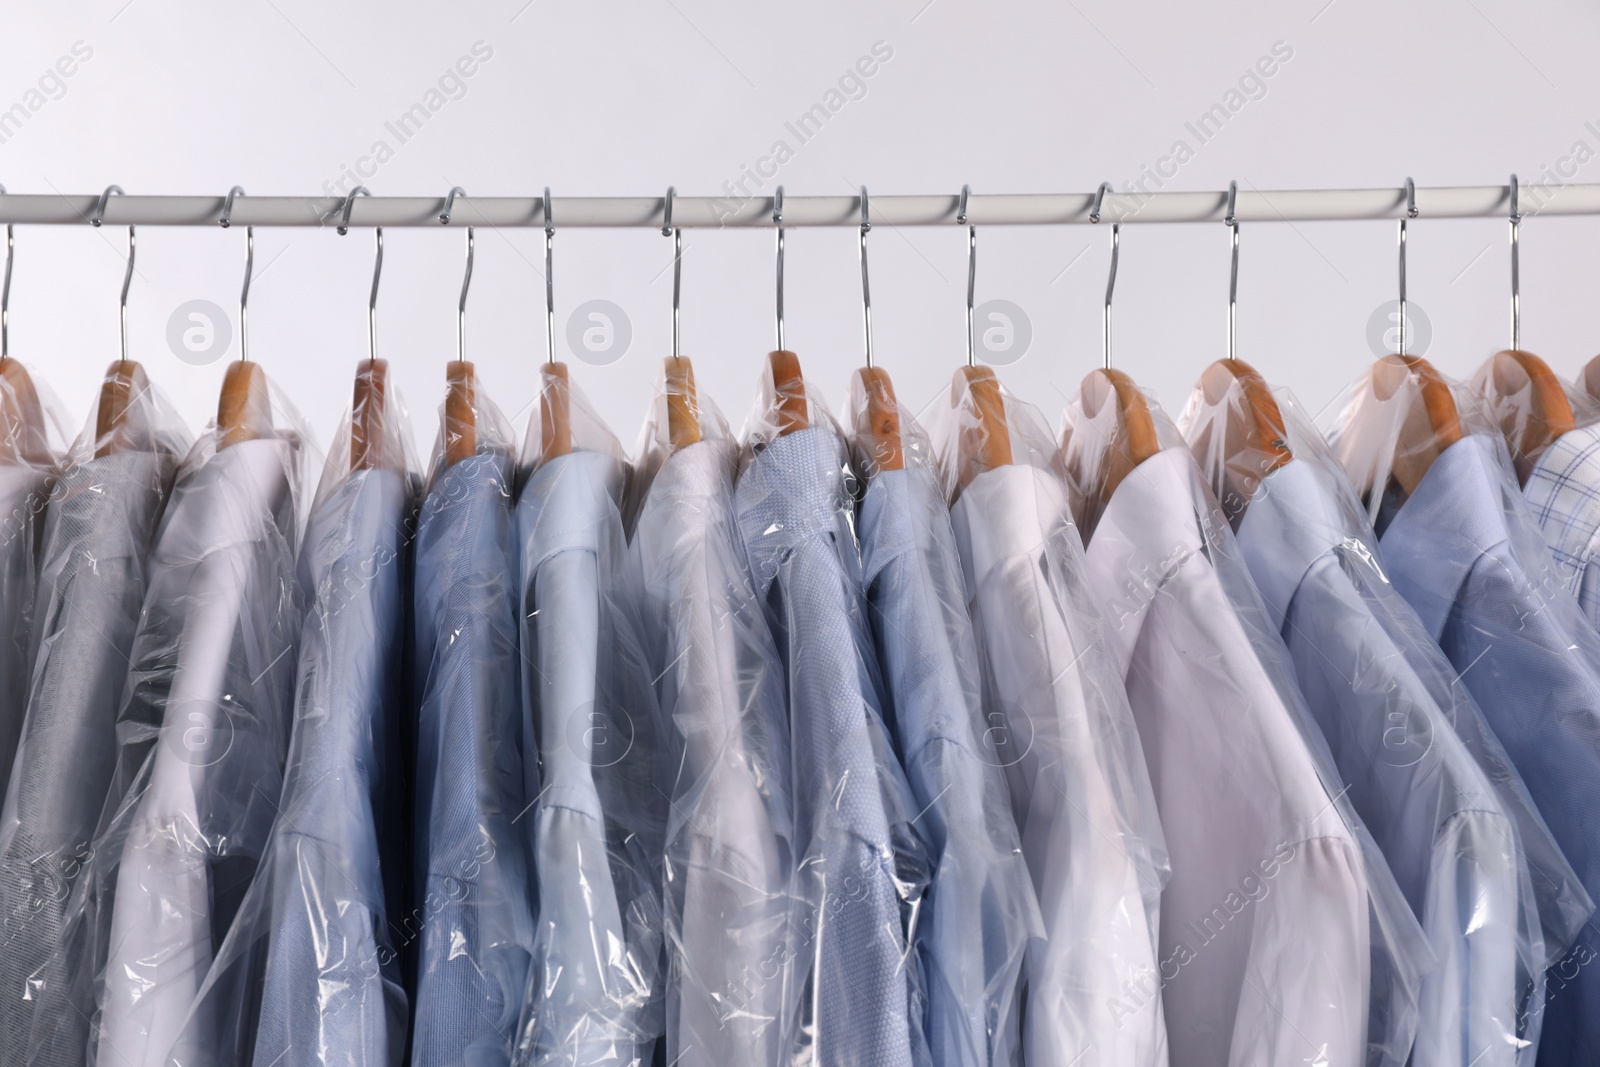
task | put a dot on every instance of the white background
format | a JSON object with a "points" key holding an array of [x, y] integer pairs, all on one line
{"points": [[614, 98]]}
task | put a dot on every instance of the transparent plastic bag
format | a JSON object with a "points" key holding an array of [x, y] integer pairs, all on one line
{"points": [[1459, 543], [469, 928], [863, 864], [100, 523], [598, 791], [1058, 725], [1283, 934], [980, 917], [1429, 778], [202, 733], [309, 972], [729, 857]]}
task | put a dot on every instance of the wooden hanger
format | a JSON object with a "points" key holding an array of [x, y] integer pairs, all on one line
{"points": [[1537, 417], [460, 411], [683, 403], [22, 416], [881, 431], [983, 438], [367, 430], [789, 392], [244, 410], [1430, 427], [555, 412], [124, 382], [1134, 438], [1254, 440]]}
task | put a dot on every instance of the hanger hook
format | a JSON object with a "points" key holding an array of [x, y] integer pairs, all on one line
{"points": [[1411, 213], [1232, 221], [972, 263], [866, 291], [100, 209], [450, 204], [377, 272], [669, 230], [227, 206], [349, 201], [777, 221], [1111, 276], [1516, 280], [549, 280], [5, 289], [249, 270], [461, 307]]}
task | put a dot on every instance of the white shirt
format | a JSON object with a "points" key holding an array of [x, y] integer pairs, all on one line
{"points": [[1059, 724]]}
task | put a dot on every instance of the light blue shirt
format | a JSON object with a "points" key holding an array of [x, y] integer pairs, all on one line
{"points": [[472, 913], [1563, 491], [595, 989], [980, 913], [862, 864], [1404, 735], [1464, 550]]}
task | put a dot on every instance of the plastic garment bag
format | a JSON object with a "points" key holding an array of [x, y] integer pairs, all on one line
{"points": [[1560, 481], [1057, 724], [100, 523], [1284, 938], [1458, 542], [470, 926], [863, 862], [1424, 771], [29, 457], [308, 974], [598, 811], [202, 734], [729, 855], [979, 916]]}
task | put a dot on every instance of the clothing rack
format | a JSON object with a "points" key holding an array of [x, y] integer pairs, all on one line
{"points": [[705, 212]]}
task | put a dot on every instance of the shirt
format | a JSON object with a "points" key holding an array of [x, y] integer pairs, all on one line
{"points": [[196, 820], [471, 921], [1563, 492], [729, 843], [1388, 704], [861, 865], [1266, 940], [1464, 550], [100, 524], [24, 491], [596, 966], [1058, 725], [980, 915]]}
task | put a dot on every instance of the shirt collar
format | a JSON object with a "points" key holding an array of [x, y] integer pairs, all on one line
{"points": [[1458, 513], [1293, 520], [1007, 512], [687, 499], [793, 490]]}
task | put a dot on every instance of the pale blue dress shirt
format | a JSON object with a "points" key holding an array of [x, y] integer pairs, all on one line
{"points": [[595, 991], [980, 914], [862, 864], [1464, 550], [1564, 492], [1404, 735], [472, 915]]}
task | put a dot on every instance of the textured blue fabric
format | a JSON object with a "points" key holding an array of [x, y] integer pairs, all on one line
{"points": [[1467, 554], [1408, 742], [472, 912], [861, 867], [1564, 492], [980, 913]]}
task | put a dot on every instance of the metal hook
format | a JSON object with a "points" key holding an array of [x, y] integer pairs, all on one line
{"points": [[1516, 280], [866, 291], [1411, 213], [5, 289], [1232, 222], [249, 272], [972, 264], [227, 206], [549, 281], [461, 308], [349, 201], [1111, 278], [377, 272], [450, 204], [100, 208], [668, 230], [777, 220]]}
